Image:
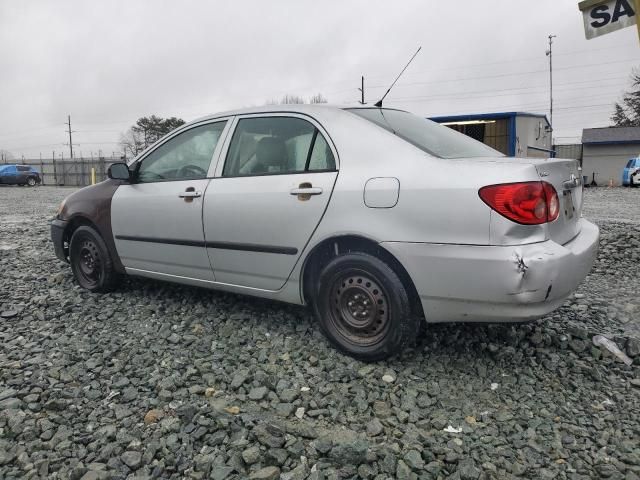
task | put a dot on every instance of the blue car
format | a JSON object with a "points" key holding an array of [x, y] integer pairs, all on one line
{"points": [[19, 175], [631, 173]]}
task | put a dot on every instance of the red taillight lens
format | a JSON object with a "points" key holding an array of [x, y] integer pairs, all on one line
{"points": [[553, 203], [528, 203]]}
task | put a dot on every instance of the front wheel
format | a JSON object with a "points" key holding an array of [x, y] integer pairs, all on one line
{"points": [[90, 261], [363, 307], [31, 182]]}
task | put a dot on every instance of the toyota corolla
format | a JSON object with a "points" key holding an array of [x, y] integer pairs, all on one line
{"points": [[377, 219]]}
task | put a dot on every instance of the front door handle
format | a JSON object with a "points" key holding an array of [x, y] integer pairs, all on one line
{"points": [[189, 194]]}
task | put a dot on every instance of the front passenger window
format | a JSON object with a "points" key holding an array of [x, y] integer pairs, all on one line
{"points": [[185, 157]]}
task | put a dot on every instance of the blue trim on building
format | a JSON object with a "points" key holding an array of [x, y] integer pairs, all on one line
{"points": [[511, 125], [487, 116], [512, 136]]}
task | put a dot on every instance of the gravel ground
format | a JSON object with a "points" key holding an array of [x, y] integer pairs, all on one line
{"points": [[163, 381]]}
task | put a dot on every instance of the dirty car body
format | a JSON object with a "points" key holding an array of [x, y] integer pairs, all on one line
{"points": [[366, 214]]}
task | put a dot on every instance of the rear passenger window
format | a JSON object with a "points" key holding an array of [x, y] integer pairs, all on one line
{"points": [[277, 145], [24, 169], [321, 156]]}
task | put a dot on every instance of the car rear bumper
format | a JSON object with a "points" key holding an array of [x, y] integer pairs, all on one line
{"points": [[57, 237], [468, 283]]}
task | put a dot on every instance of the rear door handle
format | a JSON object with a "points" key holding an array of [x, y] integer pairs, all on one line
{"points": [[190, 194], [306, 191]]}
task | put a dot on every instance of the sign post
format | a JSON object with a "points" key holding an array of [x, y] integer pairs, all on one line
{"points": [[606, 16]]}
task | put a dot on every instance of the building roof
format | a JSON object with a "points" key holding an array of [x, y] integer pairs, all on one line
{"points": [[487, 116], [610, 135]]}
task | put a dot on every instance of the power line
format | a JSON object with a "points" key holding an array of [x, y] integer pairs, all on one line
{"points": [[531, 72], [501, 62], [490, 93]]}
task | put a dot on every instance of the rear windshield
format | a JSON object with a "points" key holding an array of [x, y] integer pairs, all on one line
{"points": [[428, 136]]}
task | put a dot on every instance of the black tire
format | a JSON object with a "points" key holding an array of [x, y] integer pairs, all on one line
{"points": [[91, 263], [349, 286], [31, 182]]}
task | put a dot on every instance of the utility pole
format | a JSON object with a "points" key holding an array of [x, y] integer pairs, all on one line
{"points": [[55, 170], [70, 132], [550, 55], [362, 91]]}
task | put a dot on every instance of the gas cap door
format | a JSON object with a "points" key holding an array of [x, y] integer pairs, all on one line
{"points": [[381, 192]]}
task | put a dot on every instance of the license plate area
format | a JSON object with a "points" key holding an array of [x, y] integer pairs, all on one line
{"points": [[569, 209]]}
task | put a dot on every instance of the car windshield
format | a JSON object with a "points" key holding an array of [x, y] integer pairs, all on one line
{"points": [[428, 136]]}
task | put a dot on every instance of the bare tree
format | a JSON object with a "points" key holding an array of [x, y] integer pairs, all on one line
{"points": [[5, 155], [318, 98], [132, 142], [290, 99]]}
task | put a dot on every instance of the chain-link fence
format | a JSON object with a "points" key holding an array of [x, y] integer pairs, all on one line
{"points": [[72, 172]]}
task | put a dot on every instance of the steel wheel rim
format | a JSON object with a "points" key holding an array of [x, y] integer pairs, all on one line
{"points": [[359, 309], [31, 182], [88, 263]]}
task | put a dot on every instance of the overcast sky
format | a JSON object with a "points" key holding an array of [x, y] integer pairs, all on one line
{"points": [[108, 63]]}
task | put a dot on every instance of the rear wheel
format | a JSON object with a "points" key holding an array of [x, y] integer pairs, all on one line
{"points": [[363, 307], [90, 261]]}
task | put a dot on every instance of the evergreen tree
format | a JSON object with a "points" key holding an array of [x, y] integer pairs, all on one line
{"points": [[627, 112]]}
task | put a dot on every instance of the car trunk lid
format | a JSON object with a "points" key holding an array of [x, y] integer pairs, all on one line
{"points": [[566, 177]]}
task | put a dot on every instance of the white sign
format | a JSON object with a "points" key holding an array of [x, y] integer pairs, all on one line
{"points": [[606, 16]]}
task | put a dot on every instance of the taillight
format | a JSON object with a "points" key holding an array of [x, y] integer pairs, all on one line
{"points": [[553, 203], [528, 203]]}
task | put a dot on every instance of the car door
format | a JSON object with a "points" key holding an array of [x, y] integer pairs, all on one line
{"points": [[22, 174], [4, 174], [10, 175], [157, 219], [268, 198]]}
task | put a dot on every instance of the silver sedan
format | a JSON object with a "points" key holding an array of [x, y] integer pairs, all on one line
{"points": [[379, 220]]}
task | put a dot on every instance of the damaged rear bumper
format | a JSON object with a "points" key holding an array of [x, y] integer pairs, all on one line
{"points": [[469, 283]]}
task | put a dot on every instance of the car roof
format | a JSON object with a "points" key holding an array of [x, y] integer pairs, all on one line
{"points": [[5, 165], [308, 109]]}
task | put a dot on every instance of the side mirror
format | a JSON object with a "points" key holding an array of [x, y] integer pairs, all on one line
{"points": [[119, 171]]}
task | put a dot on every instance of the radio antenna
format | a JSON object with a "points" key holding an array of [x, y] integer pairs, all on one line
{"points": [[379, 103]]}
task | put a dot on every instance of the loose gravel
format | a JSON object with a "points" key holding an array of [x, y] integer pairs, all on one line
{"points": [[164, 381]]}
